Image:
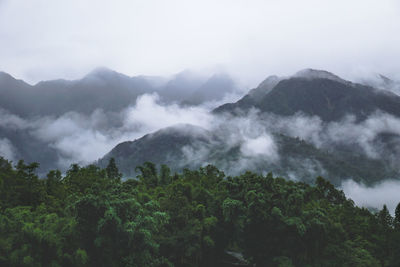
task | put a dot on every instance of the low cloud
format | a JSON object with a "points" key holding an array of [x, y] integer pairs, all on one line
{"points": [[7, 149], [260, 146], [384, 193], [12, 121], [149, 115], [362, 135], [80, 138]]}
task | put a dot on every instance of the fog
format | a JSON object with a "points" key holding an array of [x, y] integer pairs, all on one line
{"points": [[84, 138], [44, 40], [7, 150], [385, 193], [80, 138]]}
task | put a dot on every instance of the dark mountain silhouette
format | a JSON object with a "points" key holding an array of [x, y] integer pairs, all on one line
{"points": [[100, 89], [310, 92], [105, 89], [316, 93]]}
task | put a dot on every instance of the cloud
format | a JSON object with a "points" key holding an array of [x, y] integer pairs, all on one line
{"points": [[386, 192], [12, 121], [358, 134], [149, 115], [252, 39], [80, 138], [7, 150], [260, 146]]}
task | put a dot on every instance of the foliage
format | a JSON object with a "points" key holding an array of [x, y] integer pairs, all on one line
{"points": [[90, 217]]}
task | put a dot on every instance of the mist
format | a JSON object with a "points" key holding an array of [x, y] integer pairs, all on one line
{"points": [[385, 193], [248, 39], [85, 137], [7, 150], [80, 138]]}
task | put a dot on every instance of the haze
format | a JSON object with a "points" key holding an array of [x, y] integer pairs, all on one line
{"points": [[42, 40]]}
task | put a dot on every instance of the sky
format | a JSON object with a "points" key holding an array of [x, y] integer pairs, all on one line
{"points": [[251, 39]]}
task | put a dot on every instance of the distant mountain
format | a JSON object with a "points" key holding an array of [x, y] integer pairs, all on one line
{"points": [[29, 148], [215, 88], [106, 89], [181, 86], [102, 88], [188, 146], [318, 93], [309, 92], [191, 89], [162, 147]]}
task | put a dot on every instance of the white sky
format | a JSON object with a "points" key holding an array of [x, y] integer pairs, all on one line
{"points": [[48, 39]]}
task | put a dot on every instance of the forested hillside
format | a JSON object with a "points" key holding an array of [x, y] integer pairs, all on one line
{"points": [[187, 146], [90, 217]]}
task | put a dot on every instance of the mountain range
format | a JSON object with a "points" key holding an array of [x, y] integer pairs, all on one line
{"points": [[316, 93], [103, 94], [301, 126], [108, 90]]}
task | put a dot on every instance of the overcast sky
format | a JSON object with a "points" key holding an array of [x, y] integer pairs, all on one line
{"points": [[47, 39]]}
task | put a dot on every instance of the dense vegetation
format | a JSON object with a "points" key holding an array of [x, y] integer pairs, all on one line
{"points": [[90, 217]]}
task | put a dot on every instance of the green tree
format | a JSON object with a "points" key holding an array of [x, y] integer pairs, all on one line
{"points": [[396, 222], [112, 170]]}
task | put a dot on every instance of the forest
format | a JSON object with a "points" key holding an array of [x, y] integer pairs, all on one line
{"points": [[90, 216]]}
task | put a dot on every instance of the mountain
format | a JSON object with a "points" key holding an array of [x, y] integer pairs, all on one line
{"points": [[191, 89], [315, 93], [367, 150], [214, 89], [181, 86], [310, 92], [101, 88], [108, 90], [188, 146], [162, 147], [97, 102]]}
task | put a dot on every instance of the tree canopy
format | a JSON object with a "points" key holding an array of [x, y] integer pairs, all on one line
{"points": [[91, 217]]}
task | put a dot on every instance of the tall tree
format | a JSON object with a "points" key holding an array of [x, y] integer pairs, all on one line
{"points": [[396, 222], [112, 170]]}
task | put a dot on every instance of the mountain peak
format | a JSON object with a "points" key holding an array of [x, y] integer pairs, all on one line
{"points": [[103, 73], [265, 87], [8, 78], [317, 74]]}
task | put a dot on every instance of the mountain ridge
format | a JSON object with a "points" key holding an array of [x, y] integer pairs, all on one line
{"points": [[329, 97]]}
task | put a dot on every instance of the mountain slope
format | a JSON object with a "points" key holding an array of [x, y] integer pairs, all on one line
{"points": [[320, 94], [310, 92], [162, 147], [102, 88], [188, 146]]}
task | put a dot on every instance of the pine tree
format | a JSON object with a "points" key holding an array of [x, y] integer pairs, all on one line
{"points": [[112, 170], [396, 221], [385, 218]]}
